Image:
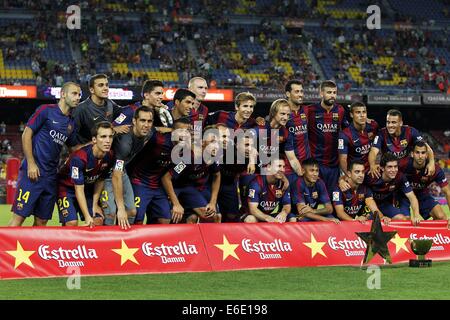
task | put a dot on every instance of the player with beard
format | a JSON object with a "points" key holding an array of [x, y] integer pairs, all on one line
{"points": [[297, 126], [415, 173], [397, 139], [325, 121], [355, 140], [47, 130], [350, 205]]}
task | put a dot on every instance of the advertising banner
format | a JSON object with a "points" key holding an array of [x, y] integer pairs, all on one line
{"points": [[50, 251]]}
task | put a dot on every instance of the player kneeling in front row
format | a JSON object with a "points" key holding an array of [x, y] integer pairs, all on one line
{"points": [[81, 179], [186, 182], [265, 194], [357, 202], [308, 192]]}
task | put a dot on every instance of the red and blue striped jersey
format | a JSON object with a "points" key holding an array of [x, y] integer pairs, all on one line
{"points": [[310, 195], [399, 146], [356, 144], [83, 168], [268, 196], [152, 162], [352, 200], [383, 190], [51, 130], [419, 180], [298, 141], [323, 132]]}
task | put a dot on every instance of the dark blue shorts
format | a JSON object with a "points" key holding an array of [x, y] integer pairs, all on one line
{"points": [[37, 198], [68, 207], [426, 205], [330, 177], [391, 208], [228, 199], [153, 201], [192, 198]]}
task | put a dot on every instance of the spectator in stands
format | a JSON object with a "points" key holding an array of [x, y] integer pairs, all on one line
{"points": [[3, 128]]}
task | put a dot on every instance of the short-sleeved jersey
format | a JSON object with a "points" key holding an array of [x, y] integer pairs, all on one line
{"points": [[399, 146], [419, 180], [352, 200], [126, 114], [323, 132], [83, 168], [386, 190], [196, 175], [152, 162], [229, 120], [298, 141], [356, 144], [311, 195], [87, 114], [51, 130], [267, 196]]}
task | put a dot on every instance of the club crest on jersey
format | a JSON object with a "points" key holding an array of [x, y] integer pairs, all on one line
{"points": [[200, 117], [278, 193], [335, 196], [75, 174], [69, 128], [303, 116], [404, 143], [251, 193], [119, 165], [179, 167], [315, 195], [361, 196], [335, 116], [391, 188]]}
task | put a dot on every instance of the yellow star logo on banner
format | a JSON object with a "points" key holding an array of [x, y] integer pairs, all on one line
{"points": [[400, 243], [21, 256], [228, 249], [316, 247], [126, 253]]}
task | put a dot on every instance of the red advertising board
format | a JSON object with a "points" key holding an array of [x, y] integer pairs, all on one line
{"points": [[49, 251], [245, 246]]}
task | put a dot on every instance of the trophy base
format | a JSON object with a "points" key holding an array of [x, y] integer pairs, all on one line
{"points": [[420, 263]]}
